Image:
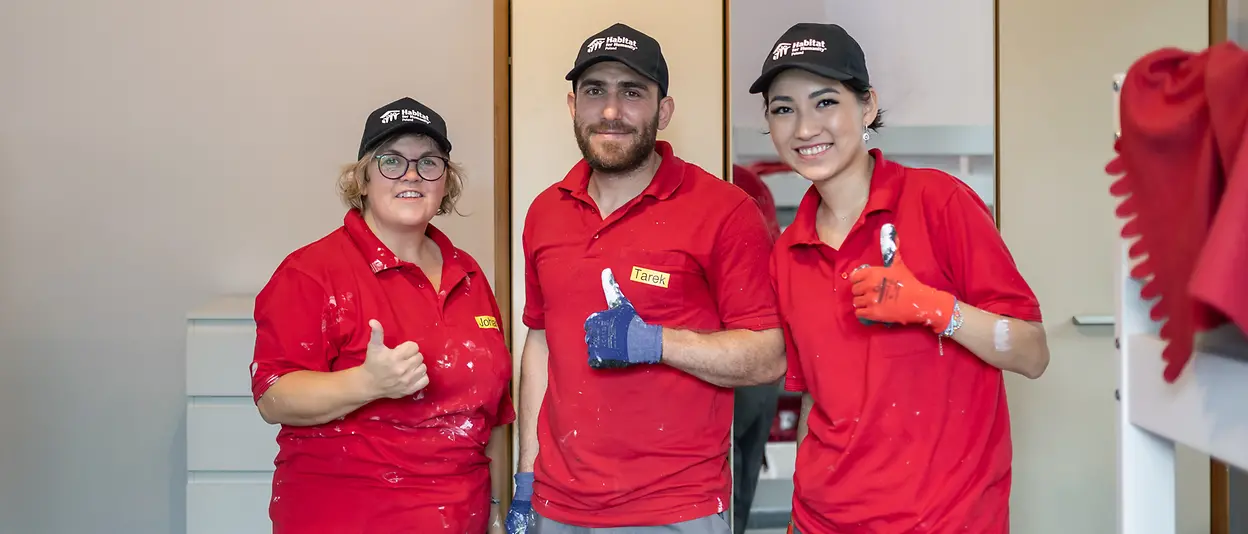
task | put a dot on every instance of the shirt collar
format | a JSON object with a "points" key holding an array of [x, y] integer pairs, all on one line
{"points": [[667, 179], [379, 256], [883, 195]]}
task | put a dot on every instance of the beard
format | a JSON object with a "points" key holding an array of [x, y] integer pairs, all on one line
{"points": [[617, 157]]}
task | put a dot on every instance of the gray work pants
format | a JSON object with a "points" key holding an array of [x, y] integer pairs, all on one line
{"points": [[711, 524]]}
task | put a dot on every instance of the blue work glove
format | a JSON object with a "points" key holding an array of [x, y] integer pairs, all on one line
{"points": [[617, 337], [888, 251], [520, 515]]}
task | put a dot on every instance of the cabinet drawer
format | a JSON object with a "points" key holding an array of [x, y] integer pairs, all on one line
{"points": [[227, 434], [218, 357], [218, 505]]}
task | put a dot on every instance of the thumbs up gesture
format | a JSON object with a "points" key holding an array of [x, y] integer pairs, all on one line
{"points": [[617, 337], [393, 372], [892, 294]]}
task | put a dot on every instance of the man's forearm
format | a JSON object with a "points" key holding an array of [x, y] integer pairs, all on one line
{"points": [[533, 376], [732, 358]]}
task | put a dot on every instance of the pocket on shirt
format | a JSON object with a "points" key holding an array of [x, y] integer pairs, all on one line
{"points": [[902, 341], [658, 282]]}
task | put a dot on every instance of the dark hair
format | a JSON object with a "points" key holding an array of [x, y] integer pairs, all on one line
{"points": [[862, 91]]}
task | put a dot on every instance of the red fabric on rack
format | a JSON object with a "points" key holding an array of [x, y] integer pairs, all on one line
{"points": [[1183, 155], [768, 167], [754, 186]]}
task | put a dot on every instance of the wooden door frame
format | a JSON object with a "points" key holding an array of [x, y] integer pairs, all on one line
{"points": [[502, 201], [1219, 476]]}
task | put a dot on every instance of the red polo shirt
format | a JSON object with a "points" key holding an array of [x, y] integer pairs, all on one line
{"points": [[393, 464], [901, 438], [646, 445]]}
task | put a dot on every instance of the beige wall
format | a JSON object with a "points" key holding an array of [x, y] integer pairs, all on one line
{"points": [[1056, 126], [153, 154], [545, 36]]}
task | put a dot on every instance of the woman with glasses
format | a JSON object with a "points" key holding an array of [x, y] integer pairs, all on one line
{"points": [[380, 353]]}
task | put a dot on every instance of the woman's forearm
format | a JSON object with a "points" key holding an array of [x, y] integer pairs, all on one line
{"points": [[802, 426], [1007, 344], [307, 398], [500, 472]]}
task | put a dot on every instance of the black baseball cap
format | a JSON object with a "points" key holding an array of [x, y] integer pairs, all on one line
{"points": [[404, 115], [823, 49], [622, 43]]}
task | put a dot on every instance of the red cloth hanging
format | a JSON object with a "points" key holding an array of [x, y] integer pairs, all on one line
{"points": [[1183, 157]]}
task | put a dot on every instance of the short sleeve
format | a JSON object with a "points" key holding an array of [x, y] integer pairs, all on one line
{"points": [[506, 409], [794, 379], [291, 317], [534, 315], [740, 256], [984, 272]]}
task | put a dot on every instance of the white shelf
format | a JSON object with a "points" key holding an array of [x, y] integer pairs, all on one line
{"points": [[781, 460], [1205, 409]]}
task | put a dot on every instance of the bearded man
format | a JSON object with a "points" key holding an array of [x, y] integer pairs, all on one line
{"points": [[648, 299]]}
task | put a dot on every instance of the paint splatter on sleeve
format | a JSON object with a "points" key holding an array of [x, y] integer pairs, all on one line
{"points": [[984, 271], [738, 271], [293, 314]]}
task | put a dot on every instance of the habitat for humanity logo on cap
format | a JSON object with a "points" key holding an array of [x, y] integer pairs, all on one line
{"points": [[625, 44], [610, 44], [405, 115], [798, 48]]}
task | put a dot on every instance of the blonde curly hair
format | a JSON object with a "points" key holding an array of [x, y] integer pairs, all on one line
{"points": [[354, 178]]}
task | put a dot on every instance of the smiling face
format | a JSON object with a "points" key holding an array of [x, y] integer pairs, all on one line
{"points": [[617, 114], [817, 123], [408, 200]]}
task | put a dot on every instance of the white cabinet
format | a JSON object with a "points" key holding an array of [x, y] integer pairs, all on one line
{"points": [[229, 449]]}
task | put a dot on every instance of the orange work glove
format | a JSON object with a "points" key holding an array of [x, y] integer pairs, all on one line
{"points": [[894, 295]]}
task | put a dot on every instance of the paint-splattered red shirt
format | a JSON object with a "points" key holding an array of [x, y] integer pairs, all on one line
{"points": [[901, 438], [394, 464]]}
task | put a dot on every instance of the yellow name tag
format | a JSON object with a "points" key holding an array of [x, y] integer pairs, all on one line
{"points": [[485, 321], [654, 278]]}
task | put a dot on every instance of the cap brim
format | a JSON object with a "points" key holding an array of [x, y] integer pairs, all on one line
{"points": [[582, 67], [407, 127], [764, 80]]}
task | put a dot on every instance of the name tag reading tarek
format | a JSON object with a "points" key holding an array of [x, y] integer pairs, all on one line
{"points": [[485, 321], [646, 276]]}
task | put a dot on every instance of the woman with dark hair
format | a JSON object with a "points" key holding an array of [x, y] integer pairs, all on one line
{"points": [[901, 307]]}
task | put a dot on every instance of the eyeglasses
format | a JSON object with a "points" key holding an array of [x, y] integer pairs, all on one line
{"points": [[395, 166]]}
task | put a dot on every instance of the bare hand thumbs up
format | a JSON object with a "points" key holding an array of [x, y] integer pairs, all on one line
{"points": [[377, 340], [394, 372]]}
